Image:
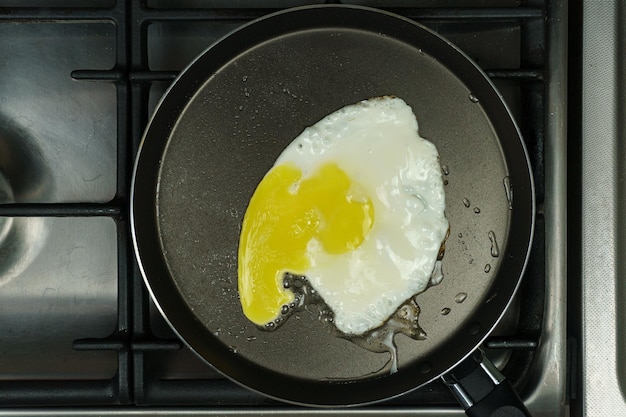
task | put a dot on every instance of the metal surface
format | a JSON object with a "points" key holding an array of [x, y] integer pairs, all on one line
{"points": [[161, 376], [550, 369], [51, 149], [58, 277], [603, 208], [210, 156], [78, 300]]}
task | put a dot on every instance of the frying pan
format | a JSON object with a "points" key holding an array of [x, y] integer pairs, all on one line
{"points": [[218, 130]]}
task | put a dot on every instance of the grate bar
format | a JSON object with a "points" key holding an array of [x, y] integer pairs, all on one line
{"points": [[155, 345], [118, 344], [511, 343], [116, 75], [125, 258], [235, 15], [45, 14], [201, 392], [99, 344], [521, 74], [98, 75], [60, 210], [147, 76], [474, 14], [63, 392], [174, 344]]}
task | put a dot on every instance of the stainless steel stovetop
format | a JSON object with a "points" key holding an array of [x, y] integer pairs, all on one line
{"points": [[78, 334]]}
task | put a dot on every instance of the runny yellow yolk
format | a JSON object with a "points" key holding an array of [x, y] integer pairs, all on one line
{"points": [[285, 213]]}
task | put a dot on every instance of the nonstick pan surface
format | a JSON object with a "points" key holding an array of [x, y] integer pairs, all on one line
{"points": [[218, 130]]}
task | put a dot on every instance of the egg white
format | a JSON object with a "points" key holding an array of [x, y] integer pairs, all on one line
{"points": [[376, 142]]}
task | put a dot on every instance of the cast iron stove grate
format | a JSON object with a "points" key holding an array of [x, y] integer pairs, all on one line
{"points": [[135, 382]]}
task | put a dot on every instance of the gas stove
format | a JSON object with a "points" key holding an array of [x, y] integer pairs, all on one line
{"points": [[78, 332]]}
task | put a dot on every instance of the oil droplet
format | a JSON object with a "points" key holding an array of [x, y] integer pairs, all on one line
{"points": [[487, 268], [445, 311], [471, 261], [476, 210], [445, 170], [466, 202], [460, 297], [460, 235], [508, 190], [473, 98], [445, 182], [495, 250]]}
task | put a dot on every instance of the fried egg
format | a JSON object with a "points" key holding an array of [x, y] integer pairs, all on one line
{"points": [[355, 204]]}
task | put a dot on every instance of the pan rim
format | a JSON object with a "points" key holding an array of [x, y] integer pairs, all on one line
{"points": [[138, 241]]}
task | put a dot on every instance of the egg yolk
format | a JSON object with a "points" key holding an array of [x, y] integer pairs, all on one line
{"points": [[285, 214]]}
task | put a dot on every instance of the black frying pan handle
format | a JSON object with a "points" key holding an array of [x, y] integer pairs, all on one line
{"points": [[482, 390]]}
